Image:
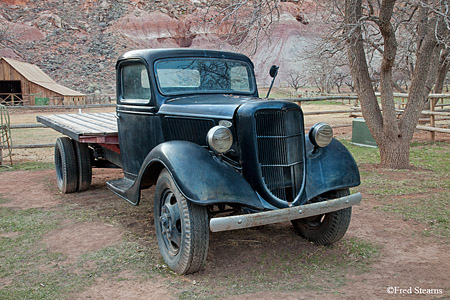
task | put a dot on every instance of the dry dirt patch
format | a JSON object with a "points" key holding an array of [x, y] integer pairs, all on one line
{"points": [[105, 289], [74, 240], [406, 260], [26, 189], [304, 295], [9, 235]]}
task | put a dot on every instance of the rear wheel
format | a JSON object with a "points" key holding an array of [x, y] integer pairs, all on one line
{"points": [[328, 228], [84, 165], [181, 227], [66, 165]]}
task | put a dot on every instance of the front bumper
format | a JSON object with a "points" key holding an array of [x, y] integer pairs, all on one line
{"points": [[284, 214]]}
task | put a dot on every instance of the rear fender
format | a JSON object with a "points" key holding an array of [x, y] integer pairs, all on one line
{"points": [[329, 168], [201, 177]]}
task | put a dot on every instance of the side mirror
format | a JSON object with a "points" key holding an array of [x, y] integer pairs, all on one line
{"points": [[273, 71]]}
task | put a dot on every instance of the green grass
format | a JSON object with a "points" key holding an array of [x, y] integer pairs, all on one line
{"points": [[420, 194], [361, 250], [22, 256], [34, 136], [432, 210], [363, 155], [128, 255], [28, 166], [432, 156]]}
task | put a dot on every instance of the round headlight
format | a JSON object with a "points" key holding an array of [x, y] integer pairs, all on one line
{"points": [[220, 139], [321, 134]]}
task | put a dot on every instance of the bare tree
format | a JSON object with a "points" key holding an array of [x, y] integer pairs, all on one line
{"points": [[295, 80], [243, 23], [393, 135], [323, 66], [341, 76]]}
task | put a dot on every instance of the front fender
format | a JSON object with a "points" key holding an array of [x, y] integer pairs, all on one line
{"points": [[329, 168], [201, 177]]}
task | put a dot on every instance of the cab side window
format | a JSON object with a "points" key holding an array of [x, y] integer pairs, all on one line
{"points": [[135, 83]]}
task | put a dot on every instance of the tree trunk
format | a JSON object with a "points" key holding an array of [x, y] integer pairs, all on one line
{"points": [[444, 65], [394, 154]]}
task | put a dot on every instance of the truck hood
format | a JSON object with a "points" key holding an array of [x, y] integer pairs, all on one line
{"points": [[213, 106]]}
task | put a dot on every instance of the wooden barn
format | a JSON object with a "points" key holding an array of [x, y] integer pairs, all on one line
{"points": [[26, 84]]}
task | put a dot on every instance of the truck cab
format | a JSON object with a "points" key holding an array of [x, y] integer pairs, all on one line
{"points": [[191, 123]]}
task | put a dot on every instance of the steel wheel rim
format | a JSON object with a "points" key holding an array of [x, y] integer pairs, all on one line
{"points": [[58, 167], [170, 222]]}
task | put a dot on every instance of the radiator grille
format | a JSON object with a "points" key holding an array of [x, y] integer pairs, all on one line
{"points": [[192, 130], [280, 151]]}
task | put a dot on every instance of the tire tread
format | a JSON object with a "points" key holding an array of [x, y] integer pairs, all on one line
{"points": [[68, 183], [83, 165], [332, 229]]}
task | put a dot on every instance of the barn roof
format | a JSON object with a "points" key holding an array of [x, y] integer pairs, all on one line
{"points": [[34, 74]]}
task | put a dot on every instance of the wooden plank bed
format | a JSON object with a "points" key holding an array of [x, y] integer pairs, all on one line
{"points": [[85, 127]]}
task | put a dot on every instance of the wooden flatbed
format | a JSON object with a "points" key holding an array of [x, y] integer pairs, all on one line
{"points": [[98, 128]]}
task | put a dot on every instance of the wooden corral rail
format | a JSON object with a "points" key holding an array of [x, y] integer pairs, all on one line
{"points": [[28, 146], [323, 98], [433, 100], [356, 111], [433, 129], [432, 112], [11, 99], [59, 107]]}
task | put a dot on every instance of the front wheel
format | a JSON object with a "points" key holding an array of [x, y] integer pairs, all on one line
{"points": [[181, 227], [328, 228]]}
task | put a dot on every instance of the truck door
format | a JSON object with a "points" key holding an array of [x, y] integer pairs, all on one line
{"points": [[139, 126]]}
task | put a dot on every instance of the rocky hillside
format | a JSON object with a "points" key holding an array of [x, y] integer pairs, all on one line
{"points": [[77, 42]]}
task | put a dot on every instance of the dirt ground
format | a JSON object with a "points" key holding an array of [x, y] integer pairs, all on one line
{"points": [[406, 258]]}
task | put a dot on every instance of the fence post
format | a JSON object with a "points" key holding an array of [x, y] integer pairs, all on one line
{"points": [[432, 118], [5, 134]]}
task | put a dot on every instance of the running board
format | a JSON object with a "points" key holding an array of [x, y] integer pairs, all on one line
{"points": [[125, 188]]}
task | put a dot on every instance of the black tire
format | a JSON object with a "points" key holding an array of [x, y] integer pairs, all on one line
{"points": [[181, 227], [84, 165], [328, 228], [66, 165]]}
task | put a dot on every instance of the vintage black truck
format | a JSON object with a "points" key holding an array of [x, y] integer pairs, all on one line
{"points": [[191, 123]]}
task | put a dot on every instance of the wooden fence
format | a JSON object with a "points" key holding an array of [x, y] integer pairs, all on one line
{"points": [[11, 99], [430, 116], [355, 111]]}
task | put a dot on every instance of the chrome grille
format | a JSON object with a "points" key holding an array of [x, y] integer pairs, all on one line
{"points": [[280, 151]]}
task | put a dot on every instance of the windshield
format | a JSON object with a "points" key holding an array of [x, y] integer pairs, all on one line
{"points": [[199, 75]]}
